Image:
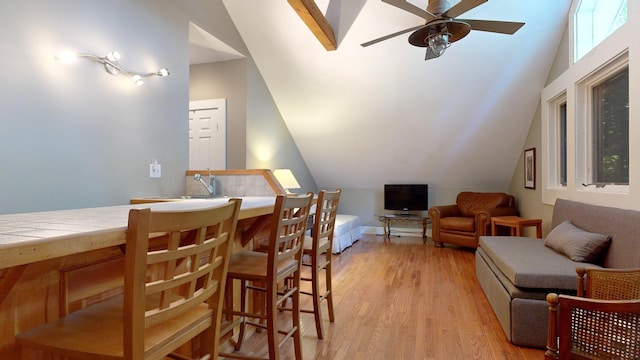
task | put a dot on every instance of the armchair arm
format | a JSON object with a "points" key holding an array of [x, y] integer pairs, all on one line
{"points": [[611, 326], [438, 212], [441, 211], [483, 217]]}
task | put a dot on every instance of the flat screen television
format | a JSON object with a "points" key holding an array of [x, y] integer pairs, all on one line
{"points": [[406, 197]]}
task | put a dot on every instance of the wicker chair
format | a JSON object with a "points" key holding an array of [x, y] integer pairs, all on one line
{"points": [[602, 322]]}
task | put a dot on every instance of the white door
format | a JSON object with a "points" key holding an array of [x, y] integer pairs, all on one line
{"points": [[207, 134]]}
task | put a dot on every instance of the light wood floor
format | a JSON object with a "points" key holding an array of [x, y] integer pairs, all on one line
{"points": [[404, 300]]}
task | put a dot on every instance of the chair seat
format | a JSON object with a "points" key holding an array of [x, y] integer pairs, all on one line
{"points": [[252, 266], [458, 223], [98, 330]]}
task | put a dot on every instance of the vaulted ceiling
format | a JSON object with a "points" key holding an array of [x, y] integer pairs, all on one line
{"points": [[365, 116]]}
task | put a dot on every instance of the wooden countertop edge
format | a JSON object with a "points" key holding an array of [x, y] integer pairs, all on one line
{"points": [[49, 248]]}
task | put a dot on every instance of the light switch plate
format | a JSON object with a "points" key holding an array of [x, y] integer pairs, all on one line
{"points": [[155, 171]]}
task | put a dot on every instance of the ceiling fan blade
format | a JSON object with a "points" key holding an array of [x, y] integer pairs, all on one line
{"points": [[375, 41], [503, 27], [462, 7], [404, 5]]}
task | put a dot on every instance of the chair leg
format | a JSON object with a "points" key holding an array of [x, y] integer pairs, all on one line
{"points": [[317, 309], [243, 320], [272, 321], [329, 297], [297, 341]]}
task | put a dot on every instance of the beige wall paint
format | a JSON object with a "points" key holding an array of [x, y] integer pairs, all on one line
{"points": [[529, 201]]}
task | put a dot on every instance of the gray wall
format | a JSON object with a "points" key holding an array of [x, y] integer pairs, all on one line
{"points": [[257, 136], [74, 136], [228, 80], [269, 143]]}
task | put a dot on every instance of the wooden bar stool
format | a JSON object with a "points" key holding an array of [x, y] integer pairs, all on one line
{"points": [[159, 311], [318, 248], [281, 261]]}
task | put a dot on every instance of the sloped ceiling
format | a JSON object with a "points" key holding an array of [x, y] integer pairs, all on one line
{"points": [[362, 117]]}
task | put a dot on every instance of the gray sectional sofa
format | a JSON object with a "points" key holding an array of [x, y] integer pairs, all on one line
{"points": [[517, 273]]}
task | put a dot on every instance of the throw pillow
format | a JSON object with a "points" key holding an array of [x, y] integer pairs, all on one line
{"points": [[576, 243]]}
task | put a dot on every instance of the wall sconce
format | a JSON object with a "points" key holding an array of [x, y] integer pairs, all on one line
{"points": [[112, 65], [286, 179]]}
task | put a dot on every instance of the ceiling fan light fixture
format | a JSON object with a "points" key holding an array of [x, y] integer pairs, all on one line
{"points": [[438, 43]]}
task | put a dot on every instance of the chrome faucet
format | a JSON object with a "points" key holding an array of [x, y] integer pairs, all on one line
{"points": [[211, 187]]}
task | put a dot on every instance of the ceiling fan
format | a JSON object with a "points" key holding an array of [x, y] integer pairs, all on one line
{"points": [[442, 27]]}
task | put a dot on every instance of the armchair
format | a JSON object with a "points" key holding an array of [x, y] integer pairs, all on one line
{"points": [[603, 325], [463, 223]]}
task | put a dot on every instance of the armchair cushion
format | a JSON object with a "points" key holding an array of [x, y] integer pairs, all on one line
{"points": [[576, 243]]}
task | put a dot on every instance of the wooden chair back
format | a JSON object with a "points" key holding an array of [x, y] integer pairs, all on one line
{"points": [[598, 329], [287, 231], [609, 284], [190, 251], [325, 220], [602, 322]]}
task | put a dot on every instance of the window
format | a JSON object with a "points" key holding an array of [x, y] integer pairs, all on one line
{"points": [[562, 142], [588, 128], [557, 145], [594, 21], [610, 115]]}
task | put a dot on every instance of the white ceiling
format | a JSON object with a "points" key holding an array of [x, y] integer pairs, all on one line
{"points": [[458, 121]]}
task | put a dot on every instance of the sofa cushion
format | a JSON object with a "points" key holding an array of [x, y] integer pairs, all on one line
{"points": [[458, 223], [576, 243], [527, 263], [470, 203]]}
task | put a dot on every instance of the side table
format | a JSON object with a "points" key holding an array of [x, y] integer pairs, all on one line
{"points": [[387, 219], [516, 223]]}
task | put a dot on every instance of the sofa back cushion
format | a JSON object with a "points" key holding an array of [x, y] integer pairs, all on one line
{"points": [[470, 203], [623, 226]]}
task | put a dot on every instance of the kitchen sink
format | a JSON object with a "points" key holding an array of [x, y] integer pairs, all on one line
{"points": [[201, 197]]}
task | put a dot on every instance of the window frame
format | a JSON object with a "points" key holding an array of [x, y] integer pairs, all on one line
{"points": [[592, 42], [617, 45], [585, 126], [555, 136]]}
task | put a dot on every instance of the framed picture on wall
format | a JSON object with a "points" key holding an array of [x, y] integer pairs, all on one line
{"points": [[530, 168]]}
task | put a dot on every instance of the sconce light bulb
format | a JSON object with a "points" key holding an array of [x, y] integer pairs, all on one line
{"points": [[66, 56], [163, 72], [113, 56], [137, 79]]}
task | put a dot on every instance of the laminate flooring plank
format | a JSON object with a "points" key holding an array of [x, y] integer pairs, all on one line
{"points": [[403, 299]]}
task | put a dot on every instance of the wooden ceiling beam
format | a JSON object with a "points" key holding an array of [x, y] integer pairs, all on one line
{"points": [[315, 21]]}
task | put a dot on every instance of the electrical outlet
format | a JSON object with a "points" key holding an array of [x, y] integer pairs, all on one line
{"points": [[155, 170]]}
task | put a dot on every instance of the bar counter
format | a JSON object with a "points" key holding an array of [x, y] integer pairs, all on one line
{"points": [[39, 250]]}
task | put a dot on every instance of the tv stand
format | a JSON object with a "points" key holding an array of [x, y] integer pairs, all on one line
{"points": [[387, 219]]}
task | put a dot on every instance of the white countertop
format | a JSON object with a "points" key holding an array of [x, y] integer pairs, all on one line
{"points": [[29, 237]]}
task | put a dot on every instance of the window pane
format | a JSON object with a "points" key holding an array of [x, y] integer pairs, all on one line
{"points": [[594, 21], [562, 139], [611, 130]]}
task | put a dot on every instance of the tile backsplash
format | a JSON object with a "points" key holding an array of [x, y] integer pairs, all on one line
{"points": [[232, 185]]}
